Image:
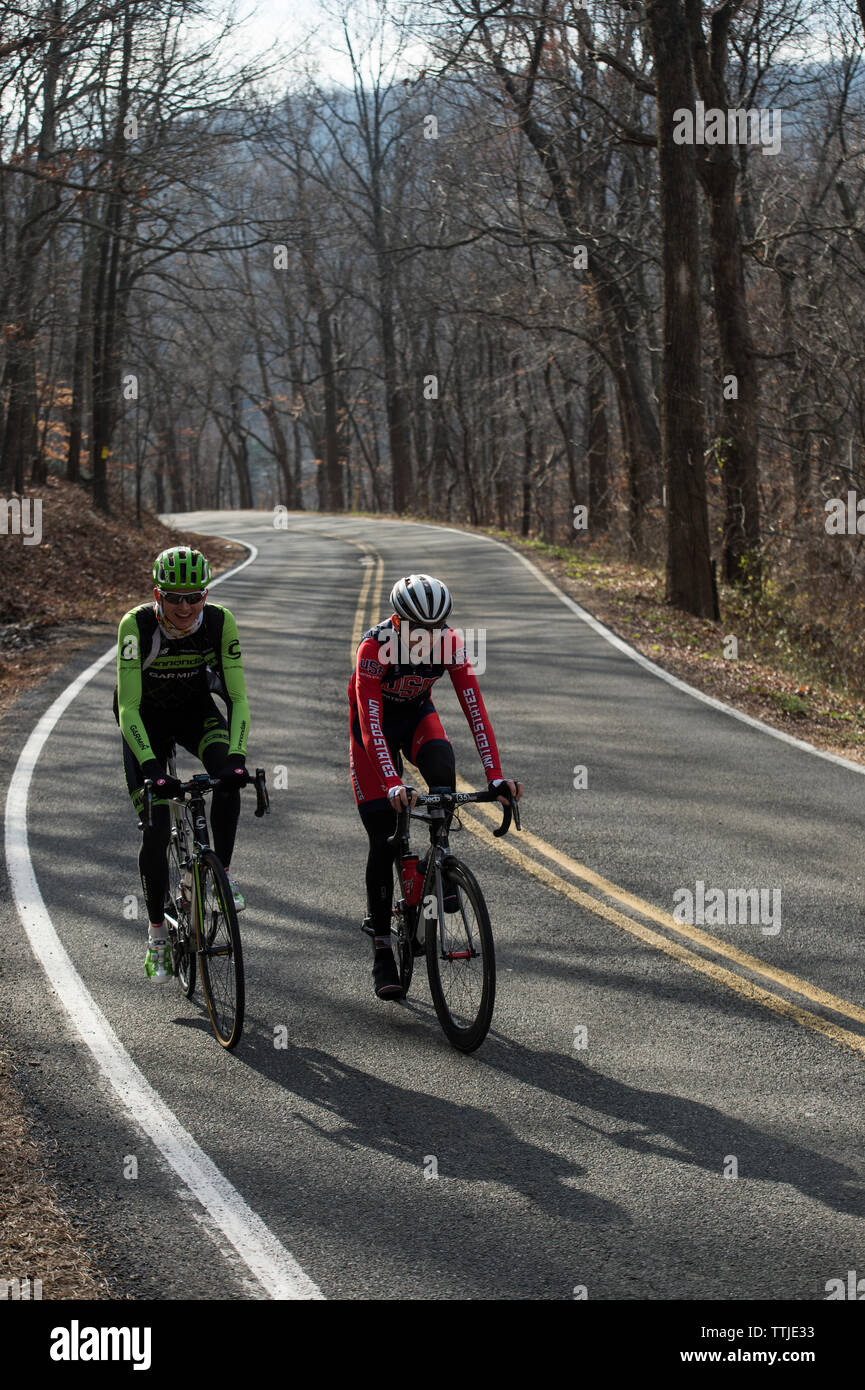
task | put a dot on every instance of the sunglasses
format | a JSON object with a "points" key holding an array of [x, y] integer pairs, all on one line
{"points": [[168, 597]]}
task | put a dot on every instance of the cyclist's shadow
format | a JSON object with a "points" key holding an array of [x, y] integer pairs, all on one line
{"points": [[468, 1142], [704, 1137]]}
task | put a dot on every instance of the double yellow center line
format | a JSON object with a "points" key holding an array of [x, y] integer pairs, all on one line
{"points": [[372, 581], [753, 989]]}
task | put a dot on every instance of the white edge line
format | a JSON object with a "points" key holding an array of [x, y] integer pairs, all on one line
{"points": [[270, 1263], [644, 661]]}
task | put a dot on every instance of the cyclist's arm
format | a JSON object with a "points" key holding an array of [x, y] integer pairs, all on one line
{"points": [[370, 709], [465, 683], [129, 688], [235, 687]]}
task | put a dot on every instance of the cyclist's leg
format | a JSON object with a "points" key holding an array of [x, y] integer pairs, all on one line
{"points": [[378, 820], [377, 816], [152, 857], [205, 734], [212, 749], [432, 752], [154, 843]]}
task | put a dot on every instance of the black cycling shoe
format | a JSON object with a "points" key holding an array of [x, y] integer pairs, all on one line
{"points": [[450, 900], [385, 975], [450, 897]]}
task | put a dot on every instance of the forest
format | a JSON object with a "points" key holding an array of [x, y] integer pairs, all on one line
{"points": [[592, 273]]}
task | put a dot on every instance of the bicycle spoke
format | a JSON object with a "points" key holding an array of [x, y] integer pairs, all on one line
{"points": [[177, 912], [221, 956], [461, 964], [462, 968]]}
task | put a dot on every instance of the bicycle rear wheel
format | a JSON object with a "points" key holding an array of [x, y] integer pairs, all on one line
{"points": [[219, 949], [177, 910], [462, 971]]}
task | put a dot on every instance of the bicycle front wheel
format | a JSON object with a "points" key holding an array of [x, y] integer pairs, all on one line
{"points": [[403, 935], [219, 950], [461, 963], [177, 910]]}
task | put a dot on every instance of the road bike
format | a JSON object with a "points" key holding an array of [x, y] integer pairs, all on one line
{"points": [[199, 911], [443, 915]]}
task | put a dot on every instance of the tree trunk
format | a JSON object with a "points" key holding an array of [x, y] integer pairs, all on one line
{"points": [[19, 440], [331, 472], [175, 471], [598, 451], [689, 575], [639, 427], [106, 309], [739, 453], [82, 361]]}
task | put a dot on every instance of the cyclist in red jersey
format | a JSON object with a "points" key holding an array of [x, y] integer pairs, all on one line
{"points": [[398, 662]]}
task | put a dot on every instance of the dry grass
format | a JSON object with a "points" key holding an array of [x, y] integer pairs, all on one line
{"points": [[37, 1238], [76, 585], [787, 671]]}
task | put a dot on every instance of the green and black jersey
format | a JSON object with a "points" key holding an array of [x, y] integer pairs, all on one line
{"points": [[160, 676]]}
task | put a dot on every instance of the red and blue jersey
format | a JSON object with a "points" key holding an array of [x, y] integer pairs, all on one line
{"points": [[392, 680]]}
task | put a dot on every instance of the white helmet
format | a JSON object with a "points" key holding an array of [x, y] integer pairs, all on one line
{"points": [[421, 599]]}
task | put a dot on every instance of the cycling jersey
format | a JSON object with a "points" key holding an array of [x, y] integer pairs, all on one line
{"points": [[159, 677], [386, 690]]}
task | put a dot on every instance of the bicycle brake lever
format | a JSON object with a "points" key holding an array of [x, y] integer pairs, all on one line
{"points": [[507, 815], [262, 799], [402, 821]]}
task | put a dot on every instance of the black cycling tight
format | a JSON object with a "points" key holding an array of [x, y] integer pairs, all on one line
{"points": [[436, 762]]}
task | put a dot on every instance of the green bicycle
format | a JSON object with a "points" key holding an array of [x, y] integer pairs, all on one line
{"points": [[199, 910]]}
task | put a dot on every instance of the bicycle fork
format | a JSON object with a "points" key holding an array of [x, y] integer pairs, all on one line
{"points": [[441, 851]]}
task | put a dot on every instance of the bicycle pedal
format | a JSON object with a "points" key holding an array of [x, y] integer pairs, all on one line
{"points": [[367, 927]]}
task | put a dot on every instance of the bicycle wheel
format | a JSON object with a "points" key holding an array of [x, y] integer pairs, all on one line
{"points": [[403, 932], [462, 973], [177, 912], [220, 953]]}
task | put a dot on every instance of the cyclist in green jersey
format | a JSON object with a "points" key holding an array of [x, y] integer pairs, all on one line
{"points": [[173, 655]]}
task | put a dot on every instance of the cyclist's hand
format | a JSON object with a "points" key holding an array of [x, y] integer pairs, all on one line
{"points": [[163, 785], [233, 772], [400, 797], [500, 782]]}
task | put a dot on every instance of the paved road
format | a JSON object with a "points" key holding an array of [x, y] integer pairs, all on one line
{"points": [[559, 1166]]}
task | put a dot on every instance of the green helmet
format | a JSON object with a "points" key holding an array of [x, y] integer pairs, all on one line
{"points": [[181, 568]]}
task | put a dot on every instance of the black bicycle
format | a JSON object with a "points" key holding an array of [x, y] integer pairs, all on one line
{"points": [[199, 910], [443, 915]]}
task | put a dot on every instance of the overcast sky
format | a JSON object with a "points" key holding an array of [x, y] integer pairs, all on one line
{"points": [[287, 22]]}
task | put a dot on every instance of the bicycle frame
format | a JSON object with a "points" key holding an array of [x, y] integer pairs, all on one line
{"points": [[205, 928], [439, 823], [189, 819], [441, 809]]}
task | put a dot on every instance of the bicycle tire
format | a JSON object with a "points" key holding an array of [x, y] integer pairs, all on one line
{"points": [[463, 989], [183, 938], [219, 950], [403, 933]]}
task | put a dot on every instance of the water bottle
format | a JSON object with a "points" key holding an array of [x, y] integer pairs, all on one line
{"points": [[412, 883]]}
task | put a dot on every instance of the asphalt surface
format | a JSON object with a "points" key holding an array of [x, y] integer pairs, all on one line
{"points": [[559, 1167]]}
